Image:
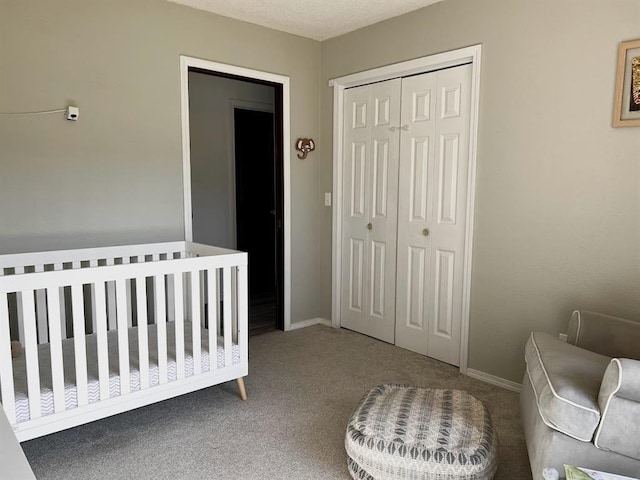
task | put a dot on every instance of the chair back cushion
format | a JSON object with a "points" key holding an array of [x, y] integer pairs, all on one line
{"points": [[604, 334], [566, 381]]}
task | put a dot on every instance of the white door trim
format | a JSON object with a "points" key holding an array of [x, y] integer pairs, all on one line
{"points": [[185, 63], [420, 65]]}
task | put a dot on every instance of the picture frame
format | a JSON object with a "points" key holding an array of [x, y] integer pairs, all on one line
{"points": [[627, 98]]}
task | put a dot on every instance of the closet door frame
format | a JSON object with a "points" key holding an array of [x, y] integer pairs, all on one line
{"points": [[427, 64]]}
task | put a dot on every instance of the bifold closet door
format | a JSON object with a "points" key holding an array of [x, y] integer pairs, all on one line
{"points": [[433, 177], [370, 193]]}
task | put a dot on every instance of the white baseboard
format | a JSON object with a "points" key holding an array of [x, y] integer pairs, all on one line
{"points": [[309, 323], [492, 379]]}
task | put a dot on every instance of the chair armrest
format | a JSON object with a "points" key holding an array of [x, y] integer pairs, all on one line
{"points": [[619, 401], [604, 334]]}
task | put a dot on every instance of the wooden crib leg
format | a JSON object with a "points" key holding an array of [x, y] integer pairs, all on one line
{"points": [[243, 392]]}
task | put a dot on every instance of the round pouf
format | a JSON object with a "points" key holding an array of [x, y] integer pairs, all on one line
{"points": [[401, 432]]}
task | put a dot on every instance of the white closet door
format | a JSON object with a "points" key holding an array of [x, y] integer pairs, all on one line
{"points": [[431, 213], [370, 193]]}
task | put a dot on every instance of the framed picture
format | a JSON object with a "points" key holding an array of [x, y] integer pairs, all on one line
{"points": [[626, 112]]}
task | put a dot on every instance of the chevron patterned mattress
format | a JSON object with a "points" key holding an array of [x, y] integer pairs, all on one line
{"points": [[401, 432], [70, 394]]}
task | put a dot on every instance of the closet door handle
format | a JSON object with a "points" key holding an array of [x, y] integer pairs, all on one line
{"points": [[369, 226], [425, 232]]}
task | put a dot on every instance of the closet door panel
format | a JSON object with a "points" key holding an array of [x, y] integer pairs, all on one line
{"points": [[431, 216], [415, 212], [357, 119], [453, 104], [384, 209], [370, 176]]}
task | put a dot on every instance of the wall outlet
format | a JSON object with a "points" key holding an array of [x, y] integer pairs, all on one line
{"points": [[327, 199], [562, 336]]}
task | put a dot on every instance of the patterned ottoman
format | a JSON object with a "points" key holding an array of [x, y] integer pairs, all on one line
{"points": [[400, 432]]}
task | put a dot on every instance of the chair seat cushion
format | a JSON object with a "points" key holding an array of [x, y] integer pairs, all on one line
{"points": [[566, 380], [400, 432]]}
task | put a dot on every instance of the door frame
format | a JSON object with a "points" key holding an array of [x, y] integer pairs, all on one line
{"points": [[426, 64], [187, 62]]}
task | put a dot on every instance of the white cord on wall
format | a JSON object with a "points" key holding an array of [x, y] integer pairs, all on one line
{"points": [[46, 112], [72, 113]]}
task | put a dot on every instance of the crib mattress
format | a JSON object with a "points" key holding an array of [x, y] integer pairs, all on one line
{"points": [[70, 394]]}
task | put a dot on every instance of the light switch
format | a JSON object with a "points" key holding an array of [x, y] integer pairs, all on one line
{"points": [[327, 199]]}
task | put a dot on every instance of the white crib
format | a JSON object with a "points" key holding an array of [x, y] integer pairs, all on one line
{"points": [[107, 330]]}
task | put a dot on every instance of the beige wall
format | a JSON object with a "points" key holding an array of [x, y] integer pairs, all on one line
{"points": [[115, 176], [558, 203], [557, 222]]}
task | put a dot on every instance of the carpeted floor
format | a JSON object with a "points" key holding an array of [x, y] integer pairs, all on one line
{"points": [[302, 388]]}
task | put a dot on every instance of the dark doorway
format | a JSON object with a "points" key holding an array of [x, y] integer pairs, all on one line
{"points": [[238, 198], [256, 212]]}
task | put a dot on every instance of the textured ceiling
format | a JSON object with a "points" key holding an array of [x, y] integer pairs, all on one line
{"points": [[316, 19]]}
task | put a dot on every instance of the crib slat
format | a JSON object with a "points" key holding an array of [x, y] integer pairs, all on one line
{"points": [[226, 286], [101, 334], [31, 354], [243, 313], [143, 332], [6, 364], [19, 317], [80, 348], [19, 271], [55, 345], [123, 335], [179, 323], [161, 327], [212, 308], [195, 321], [63, 315], [41, 311]]}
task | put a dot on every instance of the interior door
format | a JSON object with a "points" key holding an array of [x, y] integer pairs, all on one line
{"points": [[370, 193], [433, 177]]}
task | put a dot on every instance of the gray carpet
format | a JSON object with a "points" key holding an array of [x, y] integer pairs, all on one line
{"points": [[302, 388]]}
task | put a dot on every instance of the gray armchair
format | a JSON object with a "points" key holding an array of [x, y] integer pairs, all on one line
{"points": [[580, 399]]}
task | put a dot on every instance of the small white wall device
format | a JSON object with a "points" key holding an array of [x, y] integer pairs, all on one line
{"points": [[73, 113]]}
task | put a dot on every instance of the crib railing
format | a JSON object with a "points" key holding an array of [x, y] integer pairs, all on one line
{"points": [[39, 262], [51, 297]]}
